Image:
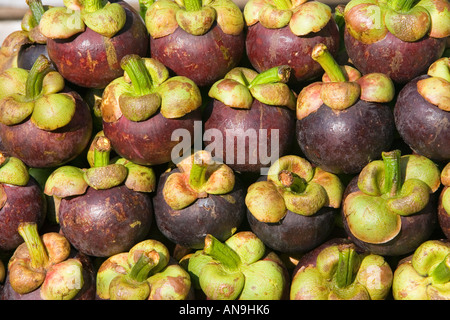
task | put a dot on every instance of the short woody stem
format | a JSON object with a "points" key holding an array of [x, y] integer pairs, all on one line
{"points": [[38, 253], [102, 149], [272, 75], [292, 181], [321, 54]]}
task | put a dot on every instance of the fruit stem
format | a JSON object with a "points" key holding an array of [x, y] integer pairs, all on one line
{"points": [[283, 4], [441, 274], [38, 253], [102, 149], [346, 265], [141, 269], [221, 252], [197, 175], [392, 172], [272, 75], [92, 5], [37, 10], [143, 7], [40, 68], [292, 181], [321, 54], [141, 79], [193, 5], [401, 5]]}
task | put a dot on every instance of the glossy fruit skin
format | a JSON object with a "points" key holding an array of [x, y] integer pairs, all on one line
{"points": [[29, 53], [268, 48], [45, 149], [422, 125], [91, 60], [401, 61], [102, 223], [86, 293], [219, 215], [24, 204], [415, 228], [204, 59], [345, 141], [218, 116], [148, 142]]}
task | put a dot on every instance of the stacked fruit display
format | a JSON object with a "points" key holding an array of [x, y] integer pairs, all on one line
{"points": [[191, 149]]}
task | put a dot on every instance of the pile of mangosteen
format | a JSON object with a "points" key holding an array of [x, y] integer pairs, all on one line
{"points": [[209, 149]]}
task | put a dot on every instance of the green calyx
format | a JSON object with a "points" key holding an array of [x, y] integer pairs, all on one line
{"points": [[293, 184], [13, 171], [241, 86], [388, 189], [199, 176], [145, 89], [105, 18], [236, 269], [39, 99], [409, 20], [343, 274], [436, 88]]}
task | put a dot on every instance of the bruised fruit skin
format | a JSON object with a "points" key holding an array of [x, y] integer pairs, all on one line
{"points": [[92, 60], [185, 213], [20, 201]]}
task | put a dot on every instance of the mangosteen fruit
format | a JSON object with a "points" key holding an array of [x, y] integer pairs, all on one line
{"points": [[105, 209], [145, 272], [21, 200], [42, 121], [142, 109], [22, 47], [47, 268], [424, 275], [444, 202], [202, 40], [422, 112], [199, 196], [390, 208], [237, 269], [284, 32], [399, 38], [339, 270], [293, 210], [250, 121], [87, 40], [344, 121]]}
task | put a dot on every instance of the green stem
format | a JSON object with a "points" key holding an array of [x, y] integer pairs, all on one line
{"points": [[38, 253], [141, 269], [193, 5], [321, 54], [283, 4], [441, 274], [401, 5], [143, 7], [346, 265], [140, 77], [272, 75], [221, 252], [40, 68], [37, 9], [392, 172], [292, 181], [197, 175], [102, 150], [93, 5]]}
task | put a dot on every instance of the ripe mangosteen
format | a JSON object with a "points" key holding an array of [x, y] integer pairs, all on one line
{"points": [[198, 197], [21, 200], [344, 121], [444, 202], [399, 38], [339, 270], [250, 121], [142, 109], [422, 112], [42, 121], [390, 208], [293, 210], [21, 48], [202, 40], [104, 209], [47, 268], [86, 41], [285, 32]]}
